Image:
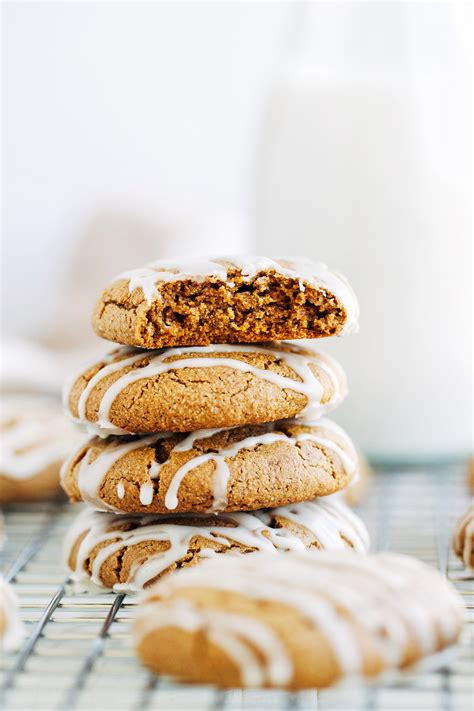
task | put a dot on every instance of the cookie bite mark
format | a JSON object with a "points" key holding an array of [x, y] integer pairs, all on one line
{"points": [[229, 469], [191, 388], [229, 300]]}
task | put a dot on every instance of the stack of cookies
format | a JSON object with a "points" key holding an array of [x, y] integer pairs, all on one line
{"points": [[209, 434]]}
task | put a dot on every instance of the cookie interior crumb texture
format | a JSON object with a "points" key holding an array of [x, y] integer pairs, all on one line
{"points": [[229, 300], [296, 621]]}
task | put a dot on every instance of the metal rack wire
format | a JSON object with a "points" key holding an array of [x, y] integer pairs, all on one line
{"points": [[78, 654]]}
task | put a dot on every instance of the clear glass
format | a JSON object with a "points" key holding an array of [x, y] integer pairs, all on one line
{"points": [[364, 163]]}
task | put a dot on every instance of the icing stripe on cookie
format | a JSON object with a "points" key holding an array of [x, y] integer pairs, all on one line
{"points": [[307, 272], [299, 360], [34, 435], [331, 523], [92, 471], [393, 600]]}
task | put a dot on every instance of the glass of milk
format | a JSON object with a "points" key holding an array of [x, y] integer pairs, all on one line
{"points": [[364, 164]]}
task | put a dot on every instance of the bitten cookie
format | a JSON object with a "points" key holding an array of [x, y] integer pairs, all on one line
{"points": [[11, 627], [238, 469], [463, 539], [128, 553], [35, 440], [186, 389], [295, 621], [229, 300]]}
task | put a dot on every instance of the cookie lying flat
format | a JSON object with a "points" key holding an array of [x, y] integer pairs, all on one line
{"points": [[355, 493], [11, 627], [128, 553], [186, 389], [237, 469], [35, 440], [463, 539], [295, 621], [229, 300]]}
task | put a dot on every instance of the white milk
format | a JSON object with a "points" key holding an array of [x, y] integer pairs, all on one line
{"points": [[371, 175]]}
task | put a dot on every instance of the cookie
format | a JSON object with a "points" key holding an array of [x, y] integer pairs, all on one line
{"points": [[197, 302], [3, 531], [470, 475], [295, 621], [128, 553], [186, 389], [11, 626], [463, 539], [237, 469], [36, 439], [355, 493]]}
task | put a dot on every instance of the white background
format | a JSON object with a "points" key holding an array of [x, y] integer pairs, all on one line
{"points": [[142, 114], [337, 130]]}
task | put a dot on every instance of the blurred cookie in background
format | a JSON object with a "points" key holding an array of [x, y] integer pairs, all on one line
{"points": [[35, 439], [11, 626], [463, 538], [295, 621], [470, 475]]}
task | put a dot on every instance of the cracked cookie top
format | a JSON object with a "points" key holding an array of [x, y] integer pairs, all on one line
{"points": [[129, 552], [229, 300], [228, 469], [184, 389]]}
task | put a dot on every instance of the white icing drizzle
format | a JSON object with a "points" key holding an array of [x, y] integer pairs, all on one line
{"points": [[222, 471], [322, 515], [307, 272], [34, 435], [120, 489], [393, 597], [146, 493], [297, 359], [226, 630], [332, 524], [463, 541], [91, 473], [14, 631], [324, 433]]}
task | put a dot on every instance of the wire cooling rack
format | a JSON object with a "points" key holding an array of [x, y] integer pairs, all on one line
{"points": [[78, 654]]}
